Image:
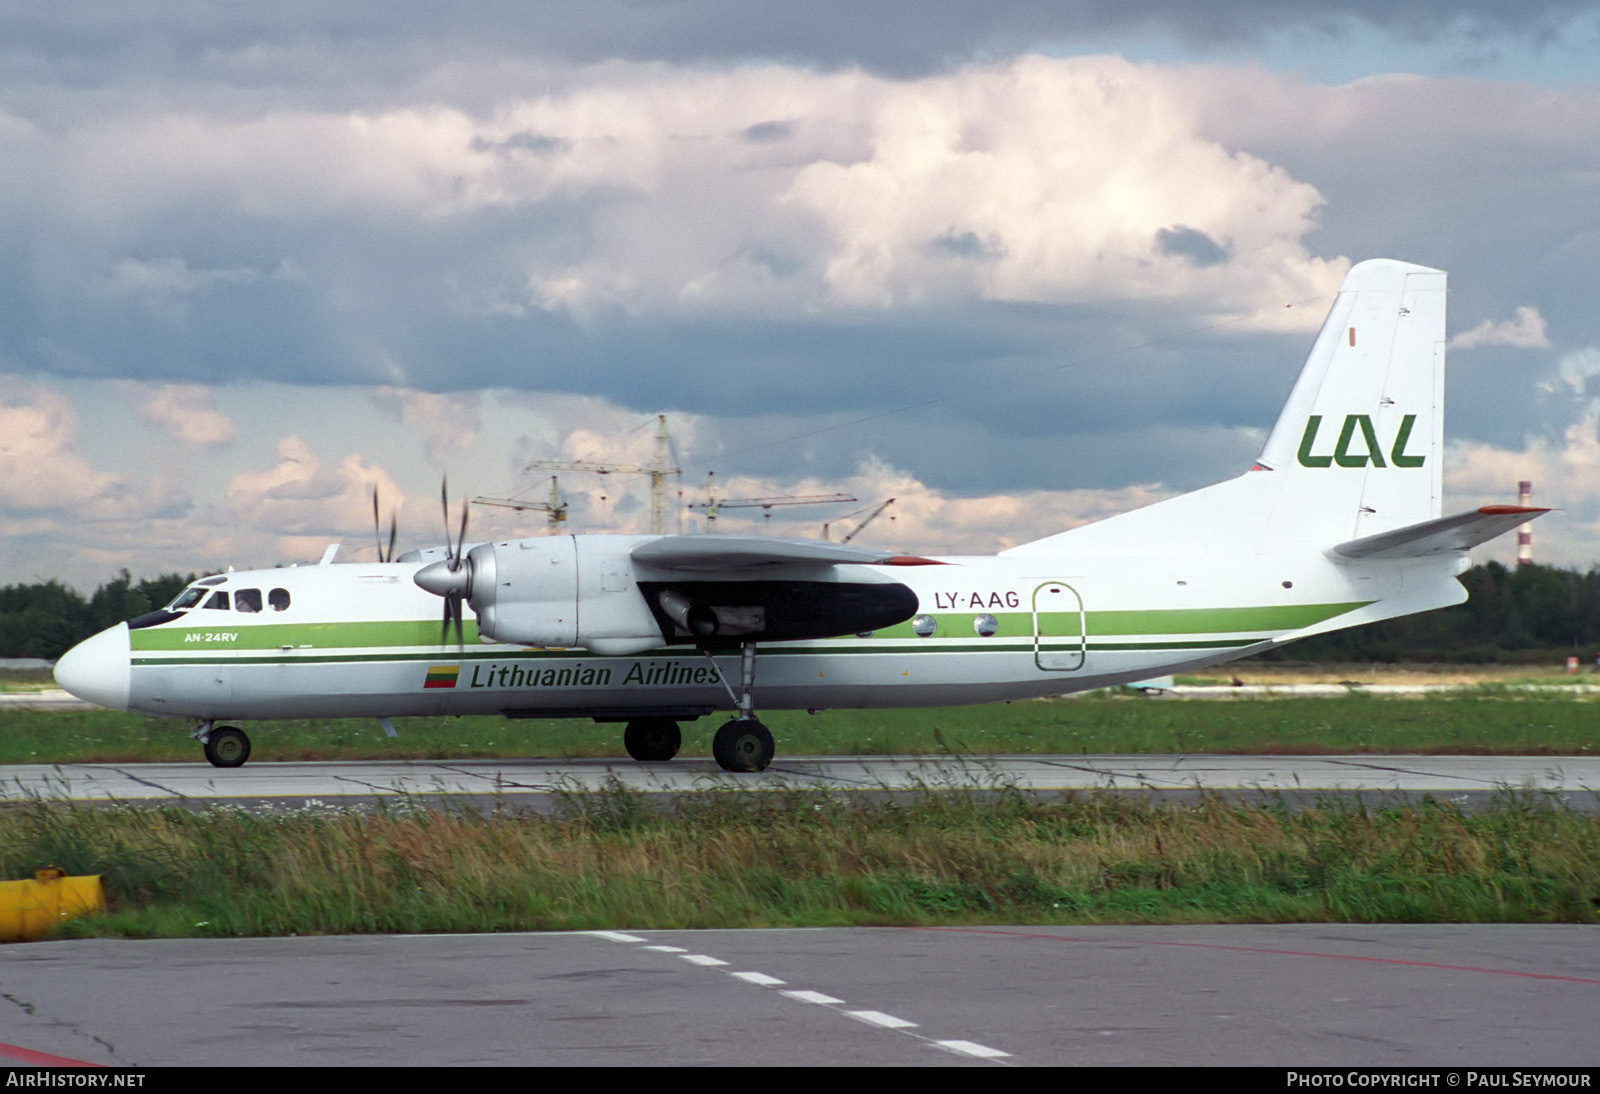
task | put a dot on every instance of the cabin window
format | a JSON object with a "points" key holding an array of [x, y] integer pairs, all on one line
{"points": [[219, 599], [923, 626], [247, 600], [278, 599], [187, 599], [985, 625]]}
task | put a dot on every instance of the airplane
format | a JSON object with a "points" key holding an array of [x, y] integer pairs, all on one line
{"points": [[1336, 524]]}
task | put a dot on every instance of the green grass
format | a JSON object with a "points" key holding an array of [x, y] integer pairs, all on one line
{"points": [[735, 859], [1487, 720]]}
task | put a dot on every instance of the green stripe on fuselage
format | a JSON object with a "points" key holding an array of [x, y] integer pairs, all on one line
{"points": [[229, 635], [1268, 619], [413, 633]]}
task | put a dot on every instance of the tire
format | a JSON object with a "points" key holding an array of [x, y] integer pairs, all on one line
{"points": [[744, 744], [652, 739], [227, 747]]}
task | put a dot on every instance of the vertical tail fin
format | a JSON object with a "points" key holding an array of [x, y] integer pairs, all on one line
{"points": [[1356, 450], [1363, 428]]}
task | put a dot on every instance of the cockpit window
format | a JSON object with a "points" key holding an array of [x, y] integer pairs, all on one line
{"points": [[247, 600], [219, 599], [279, 599], [187, 599]]}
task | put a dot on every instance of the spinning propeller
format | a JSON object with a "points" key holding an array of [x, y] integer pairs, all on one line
{"points": [[452, 578], [377, 528]]}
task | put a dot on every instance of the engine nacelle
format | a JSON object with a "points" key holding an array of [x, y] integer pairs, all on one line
{"points": [[565, 591], [589, 592]]}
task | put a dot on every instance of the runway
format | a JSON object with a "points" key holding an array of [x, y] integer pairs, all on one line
{"points": [[1407, 995], [533, 783]]}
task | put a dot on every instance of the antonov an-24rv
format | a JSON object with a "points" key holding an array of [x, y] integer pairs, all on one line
{"points": [[1337, 524]]}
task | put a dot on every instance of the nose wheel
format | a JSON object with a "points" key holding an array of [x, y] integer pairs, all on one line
{"points": [[227, 747]]}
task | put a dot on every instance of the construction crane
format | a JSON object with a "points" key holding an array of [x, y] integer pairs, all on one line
{"points": [[713, 505], [555, 507], [872, 516], [659, 471]]}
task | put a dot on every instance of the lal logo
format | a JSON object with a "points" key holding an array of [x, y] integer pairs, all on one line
{"points": [[1372, 452]]}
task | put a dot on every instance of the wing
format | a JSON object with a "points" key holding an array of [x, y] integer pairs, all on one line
{"points": [[748, 555]]}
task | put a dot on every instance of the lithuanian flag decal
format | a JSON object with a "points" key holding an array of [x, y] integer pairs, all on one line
{"points": [[442, 676]]}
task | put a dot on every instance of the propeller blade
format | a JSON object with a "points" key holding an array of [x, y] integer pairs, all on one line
{"points": [[444, 503], [377, 525], [394, 532]]}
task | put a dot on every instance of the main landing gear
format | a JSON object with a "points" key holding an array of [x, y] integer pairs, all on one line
{"points": [[743, 744], [226, 746], [652, 739]]}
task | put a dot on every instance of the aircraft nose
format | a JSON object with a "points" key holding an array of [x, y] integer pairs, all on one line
{"points": [[97, 669]]}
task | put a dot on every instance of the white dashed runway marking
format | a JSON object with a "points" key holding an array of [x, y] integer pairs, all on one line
{"points": [[875, 1018]]}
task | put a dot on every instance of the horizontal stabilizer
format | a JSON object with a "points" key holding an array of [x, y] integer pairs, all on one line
{"points": [[728, 554], [1441, 535]]}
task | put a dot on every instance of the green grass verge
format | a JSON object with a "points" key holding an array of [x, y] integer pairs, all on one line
{"points": [[1487, 721], [614, 860]]}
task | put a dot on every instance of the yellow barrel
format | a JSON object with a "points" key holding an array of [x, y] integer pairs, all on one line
{"points": [[30, 909]]}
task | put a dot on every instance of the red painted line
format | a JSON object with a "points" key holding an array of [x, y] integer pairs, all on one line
{"points": [[40, 1059], [1265, 950]]}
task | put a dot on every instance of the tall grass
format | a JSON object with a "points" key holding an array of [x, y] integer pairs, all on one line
{"points": [[726, 859]]}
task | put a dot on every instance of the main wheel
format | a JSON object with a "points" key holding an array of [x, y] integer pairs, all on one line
{"points": [[652, 738], [227, 747], [744, 744]]}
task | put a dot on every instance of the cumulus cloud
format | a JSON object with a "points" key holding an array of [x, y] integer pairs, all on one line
{"points": [[307, 503], [42, 470], [1565, 472], [1524, 330], [682, 193], [1038, 180], [449, 423], [185, 412]]}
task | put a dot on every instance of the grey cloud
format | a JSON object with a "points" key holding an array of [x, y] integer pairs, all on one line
{"points": [[962, 245], [540, 144], [1189, 243], [86, 42], [768, 132]]}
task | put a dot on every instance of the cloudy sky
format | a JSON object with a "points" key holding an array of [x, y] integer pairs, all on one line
{"points": [[1017, 265]]}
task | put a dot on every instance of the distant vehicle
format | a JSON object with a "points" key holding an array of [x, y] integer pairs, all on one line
{"points": [[1338, 523]]}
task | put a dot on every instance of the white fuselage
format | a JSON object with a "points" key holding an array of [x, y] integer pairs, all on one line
{"points": [[361, 639]]}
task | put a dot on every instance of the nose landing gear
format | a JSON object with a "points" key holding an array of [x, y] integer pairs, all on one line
{"points": [[224, 747]]}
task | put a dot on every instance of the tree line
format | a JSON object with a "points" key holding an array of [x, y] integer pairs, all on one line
{"points": [[47, 619], [1511, 614]]}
